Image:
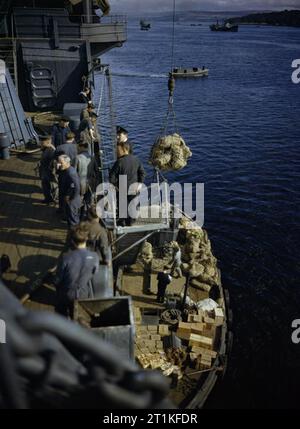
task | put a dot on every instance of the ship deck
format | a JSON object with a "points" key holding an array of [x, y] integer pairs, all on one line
{"points": [[33, 237], [31, 233], [133, 285]]}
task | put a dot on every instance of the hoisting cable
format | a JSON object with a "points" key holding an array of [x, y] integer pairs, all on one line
{"points": [[170, 111], [173, 35], [171, 81], [169, 152]]}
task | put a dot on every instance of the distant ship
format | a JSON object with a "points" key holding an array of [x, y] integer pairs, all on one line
{"points": [[145, 25], [224, 27]]}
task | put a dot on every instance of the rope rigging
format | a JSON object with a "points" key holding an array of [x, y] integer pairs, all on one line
{"points": [[171, 80], [173, 35], [106, 122], [169, 152]]}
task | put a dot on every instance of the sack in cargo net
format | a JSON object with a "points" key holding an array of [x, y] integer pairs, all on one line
{"points": [[170, 153]]}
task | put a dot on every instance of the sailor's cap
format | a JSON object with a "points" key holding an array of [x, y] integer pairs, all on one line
{"points": [[121, 130]]}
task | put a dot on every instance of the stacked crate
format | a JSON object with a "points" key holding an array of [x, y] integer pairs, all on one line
{"points": [[199, 331], [148, 340]]}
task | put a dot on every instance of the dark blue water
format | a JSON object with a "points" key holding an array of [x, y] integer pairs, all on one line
{"points": [[242, 124]]}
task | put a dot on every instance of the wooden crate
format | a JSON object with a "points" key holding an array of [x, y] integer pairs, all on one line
{"points": [[200, 340], [163, 330]]}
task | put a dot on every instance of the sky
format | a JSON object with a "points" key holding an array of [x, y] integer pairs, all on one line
{"points": [[156, 6]]}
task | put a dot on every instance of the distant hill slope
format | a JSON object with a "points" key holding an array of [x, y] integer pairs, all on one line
{"points": [[289, 18]]}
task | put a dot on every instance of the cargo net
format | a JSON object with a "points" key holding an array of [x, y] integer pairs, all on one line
{"points": [[170, 153]]}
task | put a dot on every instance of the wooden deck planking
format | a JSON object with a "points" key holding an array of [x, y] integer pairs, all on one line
{"points": [[31, 234], [133, 285]]}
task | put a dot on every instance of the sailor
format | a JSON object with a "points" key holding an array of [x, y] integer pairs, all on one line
{"points": [[122, 137], [87, 112], [69, 148], [176, 267], [97, 236], [83, 160], [89, 133], [69, 190], [75, 271], [46, 168], [86, 95], [130, 166], [87, 170], [60, 131], [163, 279]]}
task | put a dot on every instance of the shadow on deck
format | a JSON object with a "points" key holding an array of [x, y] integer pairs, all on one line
{"points": [[31, 234]]}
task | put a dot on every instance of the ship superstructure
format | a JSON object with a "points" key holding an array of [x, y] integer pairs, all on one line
{"points": [[50, 47]]}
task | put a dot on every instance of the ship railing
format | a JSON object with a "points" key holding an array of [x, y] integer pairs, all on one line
{"points": [[68, 25], [160, 218], [95, 19]]}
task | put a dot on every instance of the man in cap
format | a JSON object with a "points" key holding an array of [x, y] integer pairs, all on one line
{"points": [[69, 148], [75, 271], [163, 279], [130, 166], [87, 112], [97, 236], [69, 190], [46, 168], [60, 131], [122, 137], [86, 95], [88, 132], [88, 123], [87, 170]]}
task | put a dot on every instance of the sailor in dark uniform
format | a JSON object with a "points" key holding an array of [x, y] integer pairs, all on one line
{"points": [[69, 190], [75, 271], [69, 148], [86, 95], [122, 137], [60, 131], [163, 279], [130, 166], [46, 168]]}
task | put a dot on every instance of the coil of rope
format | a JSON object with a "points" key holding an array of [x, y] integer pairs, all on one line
{"points": [[171, 317]]}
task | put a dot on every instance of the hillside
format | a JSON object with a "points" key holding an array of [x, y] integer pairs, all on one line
{"points": [[290, 18]]}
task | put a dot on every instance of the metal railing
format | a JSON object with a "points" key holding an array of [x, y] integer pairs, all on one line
{"points": [[109, 19], [66, 23]]}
